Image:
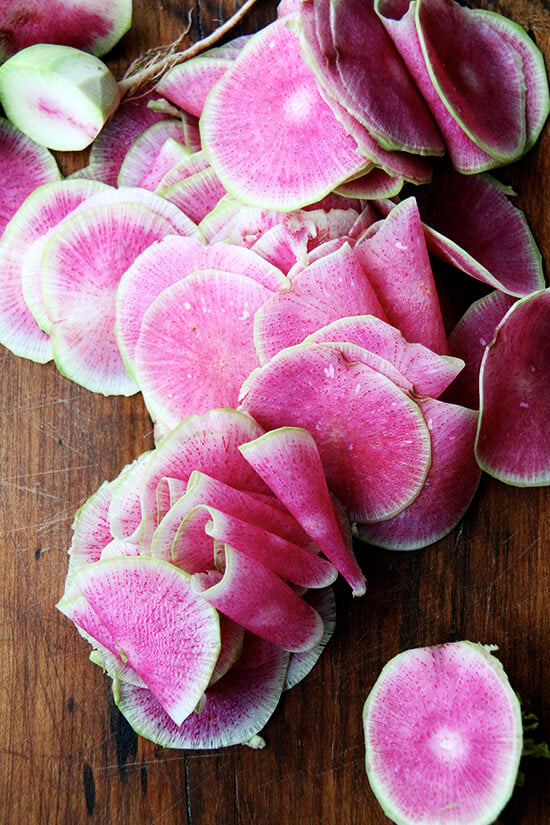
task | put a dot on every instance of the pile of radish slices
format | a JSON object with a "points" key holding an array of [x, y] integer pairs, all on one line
{"points": [[241, 252]]}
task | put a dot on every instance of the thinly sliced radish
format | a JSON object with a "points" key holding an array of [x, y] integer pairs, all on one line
{"points": [[124, 507], [376, 183], [169, 155], [196, 195], [443, 736], [324, 602], [188, 84], [91, 528], [146, 145]]}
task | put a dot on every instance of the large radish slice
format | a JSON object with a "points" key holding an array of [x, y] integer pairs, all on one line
{"points": [[153, 621], [293, 151], [234, 710], [443, 736], [512, 442]]}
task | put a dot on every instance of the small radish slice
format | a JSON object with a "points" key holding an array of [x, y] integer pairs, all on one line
{"points": [[376, 183], [82, 265], [295, 151], [146, 146], [124, 508], [196, 195], [260, 601], [184, 168], [443, 736], [196, 344], [288, 461], [512, 442], [91, 528], [188, 84], [132, 598], [170, 154], [235, 709], [301, 664]]}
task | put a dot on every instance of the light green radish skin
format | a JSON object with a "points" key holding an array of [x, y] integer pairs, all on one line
{"points": [[59, 96], [443, 736]]}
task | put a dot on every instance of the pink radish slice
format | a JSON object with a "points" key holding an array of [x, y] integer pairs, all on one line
{"points": [[91, 528], [191, 131], [196, 195], [119, 547], [184, 168], [301, 664], [137, 160], [376, 183], [188, 84], [332, 287], [260, 601], [125, 508], [170, 153], [471, 223], [288, 461], [395, 259], [193, 550], [429, 372], [232, 641], [443, 736], [291, 130], [82, 265], [468, 340], [238, 223], [512, 437], [196, 344], [133, 598], [449, 488], [236, 707], [372, 438]]}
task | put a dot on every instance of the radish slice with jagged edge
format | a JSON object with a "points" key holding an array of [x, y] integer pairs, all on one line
{"points": [[301, 664], [288, 461], [514, 381], [429, 372], [234, 709], [468, 340], [197, 194], [196, 344], [395, 259], [260, 601], [124, 512], [470, 223], [477, 74], [145, 147], [375, 462], [237, 223], [91, 25], [132, 598], [450, 485], [376, 183], [332, 287], [187, 84], [41, 211], [82, 265], [295, 151], [443, 736]]}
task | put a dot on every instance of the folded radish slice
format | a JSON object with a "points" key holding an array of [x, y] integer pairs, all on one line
{"points": [[288, 461], [235, 709], [512, 437], [443, 736], [295, 151], [154, 622]]}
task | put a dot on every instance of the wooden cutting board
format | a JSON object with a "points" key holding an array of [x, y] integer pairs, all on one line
{"points": [[68, 757]]}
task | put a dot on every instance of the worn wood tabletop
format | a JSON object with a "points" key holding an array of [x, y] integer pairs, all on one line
{"points": [[67, 756]]}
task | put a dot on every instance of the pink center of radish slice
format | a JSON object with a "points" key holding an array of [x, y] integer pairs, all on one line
{"points": [[448, 745]]}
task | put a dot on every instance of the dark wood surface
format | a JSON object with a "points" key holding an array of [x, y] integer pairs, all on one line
{"points": [[66, 755]]}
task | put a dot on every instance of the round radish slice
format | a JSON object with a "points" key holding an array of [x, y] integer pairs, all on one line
{"points": [[196, 344], [82, 265], [443, 736], [266, 131]]}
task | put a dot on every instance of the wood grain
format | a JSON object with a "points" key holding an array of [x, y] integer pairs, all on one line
{"points": [[66, 754]]}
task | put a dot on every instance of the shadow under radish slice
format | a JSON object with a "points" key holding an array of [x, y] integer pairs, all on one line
{"points": [[324, 602], [294, 151], [443, 736], [196, 344], [235, 708], [132, 598], [82, 265], [512, 437], [371, 436]]}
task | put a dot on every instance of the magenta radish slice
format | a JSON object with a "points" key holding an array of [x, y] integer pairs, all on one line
{"points": [[511, 441], [428, 372], [188, 84], [154, 622], [235, 709], [196, 195], [82, 265], [193, 550], [290, 130], [91, 527], [301, 664], [260, 601], [288, 461], [146, 146], [375, 464], [184, 168], [449, 488], [124, 507], [169, 155], [196, 344], [376, 183], [443, 736]]}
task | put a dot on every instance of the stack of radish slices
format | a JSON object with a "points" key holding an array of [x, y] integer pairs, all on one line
{"points": [[236, 252]]}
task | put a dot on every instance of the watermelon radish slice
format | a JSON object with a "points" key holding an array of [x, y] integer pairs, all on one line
{"points": [[169, 155], [187, 84], [511, 441], [443, 736], [232, 641], [186, 166], [309, 149], [196, 344], [124, 507], [372, 438], [82, 265], [449, 488], [288, 461], [91, 528], [196, 195], [235, 708], [154, 622], [324, 602], [260, 601], [119, 547], [376, 183], [147, 145]]}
